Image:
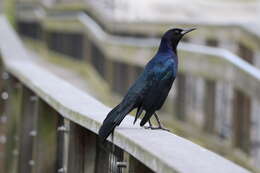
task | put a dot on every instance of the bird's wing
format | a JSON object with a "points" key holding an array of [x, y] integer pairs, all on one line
{"points": [[154, 72]]}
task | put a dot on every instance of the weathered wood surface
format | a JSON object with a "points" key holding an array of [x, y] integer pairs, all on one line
{"points": [[12, 108], [159, 150], [45, 153], [76, 148], [90, 152], [27, 131]]}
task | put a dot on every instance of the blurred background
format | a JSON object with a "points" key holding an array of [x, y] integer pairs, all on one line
{"points": [[101, 46]]}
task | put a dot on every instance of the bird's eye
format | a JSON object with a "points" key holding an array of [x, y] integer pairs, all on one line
{"points": [[176, 32]]}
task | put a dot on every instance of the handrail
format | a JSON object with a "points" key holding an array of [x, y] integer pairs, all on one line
{"points": [[207, 62], [159, 150], [156, 27], [211, 63]]}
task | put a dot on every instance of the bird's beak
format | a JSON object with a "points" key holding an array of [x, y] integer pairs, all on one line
{"points": [[185, 31]]}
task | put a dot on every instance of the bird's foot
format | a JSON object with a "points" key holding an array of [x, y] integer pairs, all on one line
{"points": [[163, 128], [156, 128], [149, 127]]}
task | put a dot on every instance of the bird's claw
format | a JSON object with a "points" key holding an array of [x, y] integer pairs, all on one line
{"points": [[162, 128], [148, 127], [156, 128]]}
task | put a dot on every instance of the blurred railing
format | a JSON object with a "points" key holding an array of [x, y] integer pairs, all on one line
{"points": [[52, 127]]}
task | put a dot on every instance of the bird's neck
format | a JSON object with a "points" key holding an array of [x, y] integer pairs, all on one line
{"points": [[166, 46]]}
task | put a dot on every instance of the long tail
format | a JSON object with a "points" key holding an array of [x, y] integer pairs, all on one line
{"points": [[146, 118], [114, 118], [138, 113]]}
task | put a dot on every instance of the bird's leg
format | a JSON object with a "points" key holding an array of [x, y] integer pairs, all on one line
{"points": [[150, 125], [159, 123]]}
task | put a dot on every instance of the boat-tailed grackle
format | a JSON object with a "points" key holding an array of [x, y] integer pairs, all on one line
{"points": [[151, 88]]}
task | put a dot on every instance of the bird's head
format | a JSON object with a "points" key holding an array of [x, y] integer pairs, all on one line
{"points": [[173, 36]]}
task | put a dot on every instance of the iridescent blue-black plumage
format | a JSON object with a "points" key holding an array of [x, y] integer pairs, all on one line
{"points": [[149, 91]]}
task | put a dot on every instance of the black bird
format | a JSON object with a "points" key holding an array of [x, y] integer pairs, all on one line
{"points": [[151, 88]]}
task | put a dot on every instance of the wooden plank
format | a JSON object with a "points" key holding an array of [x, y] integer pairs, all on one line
{"points": [[102, 157], [136, 166], [34, 133], [45, 153], [3, 119], [116, 159], [242, 121], [245, 53], [181, 97], [87, 49], [76, 149], [90, 152], [12, 113], [108, 158], [210, 106], [27, 131], [63, 145], [109, 77], [60, 144]]}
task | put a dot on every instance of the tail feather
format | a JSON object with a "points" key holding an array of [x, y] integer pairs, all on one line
{"points": [[146, 117], [113, 119], [138, 113]]}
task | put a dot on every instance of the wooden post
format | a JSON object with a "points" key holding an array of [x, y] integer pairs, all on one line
{"points": [[87, 50], [27, 131], [102, 157], [116, 159], [63, 144], [209, 106], [76, 149], [3, 118], [109, 77], [136, 166], [242, 121], [82, 150], [181, 97], [12, 96], [60, 143], [245, 53], [90, 152], [109, 158], [45, 145]]}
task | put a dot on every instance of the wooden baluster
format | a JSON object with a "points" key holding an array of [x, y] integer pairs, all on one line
{"points": [[102, 160], [76, 148], [87, 50], [136, 166], [12, 95], [242, 121], [109, 77], [90, 152], [209, 106], [45, 145], [63, 145], [181, 97], [3, 118], [27, 131]]}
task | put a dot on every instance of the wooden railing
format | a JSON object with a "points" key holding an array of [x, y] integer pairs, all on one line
{"points": [[52, 127], [228, 91]]}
